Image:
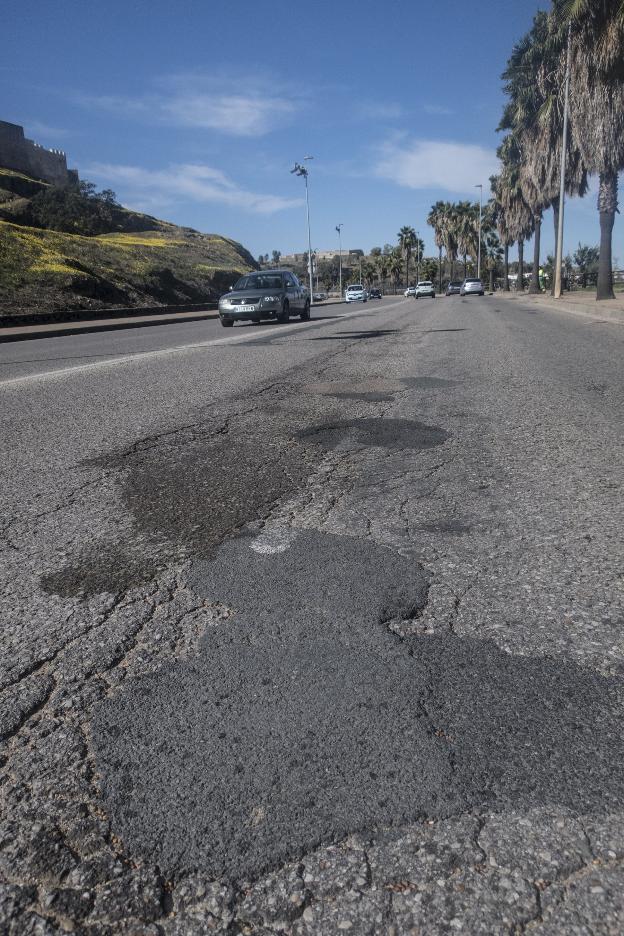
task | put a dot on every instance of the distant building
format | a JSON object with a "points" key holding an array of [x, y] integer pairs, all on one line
{"points": [[25, 156], [321, 255]]}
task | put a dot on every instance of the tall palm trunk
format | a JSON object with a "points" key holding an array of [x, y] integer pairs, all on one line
{"points": [[534, 286], [452, 273], [555, 208], [520, 280], [506, 286], [439, 269], [465, 267], [607, 206]]}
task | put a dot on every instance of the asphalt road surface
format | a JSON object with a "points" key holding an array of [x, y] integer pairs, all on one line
{"points": [[315, 628]]}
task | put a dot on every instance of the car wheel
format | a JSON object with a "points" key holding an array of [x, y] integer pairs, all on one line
{"points": [[482, 294], [305, 315], [227, 323], [284, 315]]}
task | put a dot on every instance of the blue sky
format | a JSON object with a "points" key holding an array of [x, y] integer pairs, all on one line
{"points": [[196, 111]]}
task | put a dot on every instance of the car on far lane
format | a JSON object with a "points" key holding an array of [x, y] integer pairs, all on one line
{"points": [[355, 293], [472, 287], [410, 291], [425, 288], [454, 288], [374, 294], [319, 296], [270, 294]]}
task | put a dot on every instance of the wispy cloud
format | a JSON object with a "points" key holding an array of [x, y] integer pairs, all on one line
{"points": [[438, 110], [196, 182], [435, 164], [236, 106]]}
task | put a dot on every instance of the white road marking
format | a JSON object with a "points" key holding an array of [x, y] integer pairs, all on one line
{"points": [[165, 352], [274, 540]]}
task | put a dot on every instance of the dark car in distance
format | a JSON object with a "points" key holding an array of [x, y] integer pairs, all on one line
{"points": [[271, 294], [374, 294], [454, 288]]}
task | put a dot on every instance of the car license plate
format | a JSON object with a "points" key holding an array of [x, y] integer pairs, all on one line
{"points": [[246, 308]]}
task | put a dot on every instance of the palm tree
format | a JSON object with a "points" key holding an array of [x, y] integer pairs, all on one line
{"points": [[435, 219], [534, 116], [396, 267], [597, 106], [383, 268], [501, 223], [493, 254], [467, 229], [519, 218], [407, 240]]}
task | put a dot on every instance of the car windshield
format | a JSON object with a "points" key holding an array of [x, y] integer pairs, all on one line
{"points": [[455, 283], [355, 287], [473, 281], [425, 283], [260, 281]]}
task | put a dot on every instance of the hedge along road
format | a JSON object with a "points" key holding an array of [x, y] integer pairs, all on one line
{"points": [[318, 631]]}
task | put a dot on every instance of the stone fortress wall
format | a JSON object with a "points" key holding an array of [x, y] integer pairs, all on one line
{"points": [[24, 155]]}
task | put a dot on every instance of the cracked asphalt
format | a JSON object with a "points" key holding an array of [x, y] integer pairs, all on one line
{"points": [[315, 628]]}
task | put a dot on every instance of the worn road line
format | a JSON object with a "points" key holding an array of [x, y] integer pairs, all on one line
{"points": [[164, 352]]}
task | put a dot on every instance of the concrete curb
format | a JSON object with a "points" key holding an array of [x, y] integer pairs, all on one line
{"points": [[597, 312], [63, 329]]}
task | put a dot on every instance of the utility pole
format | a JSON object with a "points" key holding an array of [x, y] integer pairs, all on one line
{"points": [[564, 147], [480, 187], [339, 229], [302, 171]]}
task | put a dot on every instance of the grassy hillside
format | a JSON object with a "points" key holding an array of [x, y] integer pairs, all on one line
{"points": [[150, 263]]}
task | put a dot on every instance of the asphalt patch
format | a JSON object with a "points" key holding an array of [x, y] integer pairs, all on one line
{"points": [[184, 499], [304, 719], [387, 432]]}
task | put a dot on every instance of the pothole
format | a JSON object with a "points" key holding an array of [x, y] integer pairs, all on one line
{"points": [[387, 432]]}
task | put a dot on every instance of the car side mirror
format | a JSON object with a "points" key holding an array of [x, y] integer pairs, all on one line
{"points": [[289, 285]]}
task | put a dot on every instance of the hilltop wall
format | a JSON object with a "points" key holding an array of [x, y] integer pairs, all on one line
{"points": [[23, 155]]}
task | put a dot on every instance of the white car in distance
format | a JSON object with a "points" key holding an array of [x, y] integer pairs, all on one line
{"points": [[425, 288], [355, 293]]}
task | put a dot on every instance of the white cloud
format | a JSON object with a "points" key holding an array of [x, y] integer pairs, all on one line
{"points": [[192, 182], [236, 106], [436, 164]]}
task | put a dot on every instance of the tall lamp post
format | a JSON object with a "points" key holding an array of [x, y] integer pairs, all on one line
{"points": [[339, 229], [417, 256], [300, 170], [480, 187]]}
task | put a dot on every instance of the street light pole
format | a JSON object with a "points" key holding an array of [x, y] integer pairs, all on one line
{"points": [[564, 147], [417, 256], [480, 187], [302, 171], [339, 229]]}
